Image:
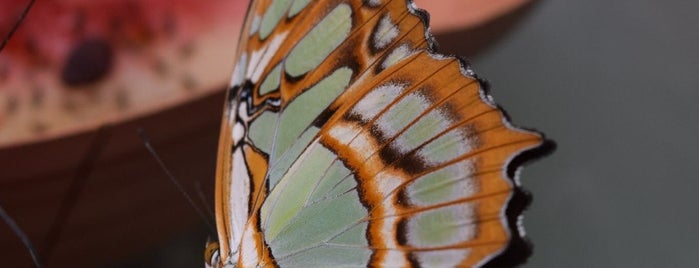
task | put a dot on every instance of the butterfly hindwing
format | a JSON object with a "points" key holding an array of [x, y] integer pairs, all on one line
{"points": [[347, 142]]}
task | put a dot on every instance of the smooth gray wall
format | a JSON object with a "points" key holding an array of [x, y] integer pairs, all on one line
{"points": [[615, 84]]}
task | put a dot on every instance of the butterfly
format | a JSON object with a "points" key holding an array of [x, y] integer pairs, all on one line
{"points": [[347, 140]]}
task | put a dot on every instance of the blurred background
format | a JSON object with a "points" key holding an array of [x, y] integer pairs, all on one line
{"points": [[612, 82], [615, 84]]}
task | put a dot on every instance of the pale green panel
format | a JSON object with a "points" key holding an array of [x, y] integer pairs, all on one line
{"points": [[297, 6], [325, 36], [428, 126], [345, 185], [278, 168], [272, 80], [262, 131], [355, 236], [447, 147], [290, 195], [332, 177], [328, 256], [442, 226], [401, 114], [301, 112], [316, 224], [444, 185], [273, 16]]}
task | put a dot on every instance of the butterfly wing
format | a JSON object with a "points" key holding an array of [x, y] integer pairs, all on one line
{"points": [[347, 141]]}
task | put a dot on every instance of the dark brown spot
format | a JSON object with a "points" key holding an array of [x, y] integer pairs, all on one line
{"points": [[4, 72], [323, 118], [93, 96], [121, 98], [69, 105], [88, 62], [37, 97], [39, 127], [116, 25], [402, 232], [351, 116], [160, 67], [186, 50], [79, 22], [30, 46], [35, 55], [402, 239], [412, 163], [12, 104], [413, 260], [169, 25], [188, 82], [402, 198], [293, 79]]}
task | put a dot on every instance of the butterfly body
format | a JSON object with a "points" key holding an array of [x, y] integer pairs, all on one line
{"points": [[347, 141]]}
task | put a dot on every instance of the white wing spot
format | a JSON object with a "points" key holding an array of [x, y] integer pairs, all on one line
{"points": [[344, 133], [375, 101], [385, 33], [387, 182], [238, 203], [364, 145], [255, 24], [248, 248], [442, 258], [238, 132], [239, 71], [397, 55], [260, 59], [374, 3]]}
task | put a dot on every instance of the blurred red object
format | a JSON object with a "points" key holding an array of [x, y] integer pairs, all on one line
{"points": [[73, 65]]}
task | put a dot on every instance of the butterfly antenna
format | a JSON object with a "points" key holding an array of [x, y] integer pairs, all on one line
{"points": [[151, 150], [17, 23], [75, 188], [202, 199], [22, 236]]}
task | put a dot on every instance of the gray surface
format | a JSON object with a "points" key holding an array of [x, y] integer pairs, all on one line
{"points": [[614, 83]]}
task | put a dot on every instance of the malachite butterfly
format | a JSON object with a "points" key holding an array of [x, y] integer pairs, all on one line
{"points": [[347, 141]]}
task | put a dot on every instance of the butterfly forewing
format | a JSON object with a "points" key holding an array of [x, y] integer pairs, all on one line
{"points": [[347, 141]]}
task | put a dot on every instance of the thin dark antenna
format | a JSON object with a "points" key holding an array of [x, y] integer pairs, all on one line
{"points": [[75, 189], [22, 236], [17, 23], [149, 147], [3, 214], [202, 199]]}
